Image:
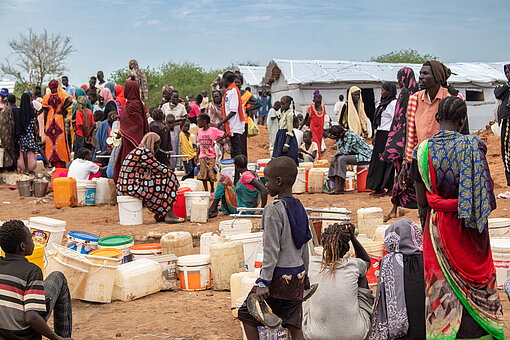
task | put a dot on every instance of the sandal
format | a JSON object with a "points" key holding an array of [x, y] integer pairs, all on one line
{"points": [[212, 214], [262, 312], [179, 220], [309, 292]]}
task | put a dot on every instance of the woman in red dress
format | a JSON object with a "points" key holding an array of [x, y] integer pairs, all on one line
{"points": [[315, 119]]}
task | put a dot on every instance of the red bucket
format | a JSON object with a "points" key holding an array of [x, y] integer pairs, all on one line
{"points": [[361, 178], [180, 203]]}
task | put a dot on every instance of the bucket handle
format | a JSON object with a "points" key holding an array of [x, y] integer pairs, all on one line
{"points": [[70, 266], [362, 171]]}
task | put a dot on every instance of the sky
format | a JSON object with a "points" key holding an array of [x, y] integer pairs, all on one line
{"points": [[217, 33]]}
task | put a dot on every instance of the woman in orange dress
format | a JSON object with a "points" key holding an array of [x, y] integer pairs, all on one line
{"points": [[315, 115], [55, 105]]}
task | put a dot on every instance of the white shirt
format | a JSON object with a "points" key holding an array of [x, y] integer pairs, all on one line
{"points": [[336, 111], [299, 136], [232, 105], [387, 116], [81, 169], [179, 111]]}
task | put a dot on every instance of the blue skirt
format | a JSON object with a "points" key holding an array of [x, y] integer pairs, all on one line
{"points": [[281, 137]]}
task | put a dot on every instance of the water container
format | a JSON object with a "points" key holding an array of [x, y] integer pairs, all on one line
{"points": [[247, 284], [321, 163], [199, 211], [315, 180], [262, 163], [501, 256], [499, 227], [192, 183], [194, 272], [235, 227], [299, 186], [137, 279], [206, 239], [143, 251], [168, 265], [350, 181], [57, 173], [90, 193], [235, 287], [112, 253], [102, 190], [229, 172], [380, 232], [361, 177], [227, 258], [193, 197], [252, 245], [113, 191], [98, 284], [24, 188], [180, 203], [252, 166], [81, 191], [122, 242], [47, 230], [64, 192], [130, 210], [306, 165], [82, 242], [326, 223], [179, 243], [376, 252], [225, 163], [369, 219]]}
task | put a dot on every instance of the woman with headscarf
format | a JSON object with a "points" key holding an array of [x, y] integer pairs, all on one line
{"points": [[119, 98], [452, 175], [55, 106], [109, 102], [80, 92], [381, 174], [315, 119], [133, 124], [352, 115], [143, 177], [84, 121], [502, 94], [399, 310], [7, 139], [394, 151]]}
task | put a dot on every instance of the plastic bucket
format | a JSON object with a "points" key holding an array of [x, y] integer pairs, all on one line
{"points": [[168, 265], [376, 252], [361, 178], [252, 166], [98, 284], [180, 202], [81, 191], [261, 163], [229, 172], [141, 251], [350, 181], [501, 256], [24, 188], [499, 227], [194, 197], [82, 242], [130, 210], [112, 253], [102, 190], [315, 180], [235, 227], [299, 186], [225, 163], [194, 272], [47, 230], [121, 242], [252, 245], [90, 193]]}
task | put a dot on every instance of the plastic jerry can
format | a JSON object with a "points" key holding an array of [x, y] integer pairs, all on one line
{"points": [[64, 192]]}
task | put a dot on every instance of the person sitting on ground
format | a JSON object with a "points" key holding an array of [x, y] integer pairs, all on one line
{"points": [[82, 168], [399, 311], [139, 173], [163, 131], [283, 277], [188, 149], [248, 193], [27, 301], [308, 151], [351, 149], [207, 138], [343, 289]]}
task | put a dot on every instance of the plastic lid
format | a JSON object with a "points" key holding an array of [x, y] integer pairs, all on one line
{"points": [[116, 240], [500, 244], [183, 189], [107, 252], [147, 246], [82, 235], [47, 221], [193, 260], [227, 161]]}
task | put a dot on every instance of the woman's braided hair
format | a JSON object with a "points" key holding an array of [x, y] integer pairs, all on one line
{"points": [[335, 242], [452, 108]]}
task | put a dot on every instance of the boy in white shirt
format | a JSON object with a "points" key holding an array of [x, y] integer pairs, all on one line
{"points": [[82, 167]]}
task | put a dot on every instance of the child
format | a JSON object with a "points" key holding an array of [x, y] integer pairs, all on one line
{"points": [[27, 301], [286, 143], [82, 168], [188, 149], [84, 121], [308, 151], [159, 126], [207, 137], [175, 131], [95, 126], [283, 276]]}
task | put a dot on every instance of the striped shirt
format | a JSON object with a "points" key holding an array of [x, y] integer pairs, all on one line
{"points": [[352, 144], [421, 118], [21, 290]]}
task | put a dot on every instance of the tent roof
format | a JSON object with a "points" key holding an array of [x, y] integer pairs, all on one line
{"points": [[332, 71], [7, 83], [253, 75]]}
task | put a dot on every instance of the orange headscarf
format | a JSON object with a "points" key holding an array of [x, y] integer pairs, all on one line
{"points": [[239, 109]]}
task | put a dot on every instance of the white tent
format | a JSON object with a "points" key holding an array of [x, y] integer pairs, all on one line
{"points": [[253, 76], [299, 79], [8, 84]]}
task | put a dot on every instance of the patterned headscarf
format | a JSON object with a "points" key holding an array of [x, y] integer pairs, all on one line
{"points": [[54, 99], [149, 141], [389, 319]]}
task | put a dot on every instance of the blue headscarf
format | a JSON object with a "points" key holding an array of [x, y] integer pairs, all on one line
{"points": [[81, 92], [111, 87]]}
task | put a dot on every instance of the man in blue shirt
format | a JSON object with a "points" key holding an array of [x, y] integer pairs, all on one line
{"points": [[67, 88]]}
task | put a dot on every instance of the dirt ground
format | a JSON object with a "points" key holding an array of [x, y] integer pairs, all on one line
{"points": [[196, 315]]}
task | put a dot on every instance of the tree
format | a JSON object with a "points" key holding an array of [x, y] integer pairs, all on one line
{"points": [[408, 56], [39, 55]]}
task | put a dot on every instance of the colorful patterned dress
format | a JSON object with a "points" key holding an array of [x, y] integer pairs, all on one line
{"points": [[143, 177], [57, 148]]}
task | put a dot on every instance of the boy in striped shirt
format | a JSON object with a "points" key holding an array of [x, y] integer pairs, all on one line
{"points": [[26, 301]]}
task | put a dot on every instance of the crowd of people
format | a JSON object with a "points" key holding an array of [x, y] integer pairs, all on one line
{"points": [[437, 280]]}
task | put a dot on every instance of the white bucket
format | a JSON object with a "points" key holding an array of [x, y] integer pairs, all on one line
{"points": [[252, 245], [380, 232], [102, 190], [501, 256], [193, 197], [195, 272], [499, 227], [193, 184], [139, 254], [315, 180], [299, 186], [90, 193], [252, 166], [206, 239], [199, 211], [306, 165], [168, 265], [350, 181], [72, 264], [229, 172], [98, 284], [235, 227], [47, 230], [81, 189], [130, 210], [136, 279]]}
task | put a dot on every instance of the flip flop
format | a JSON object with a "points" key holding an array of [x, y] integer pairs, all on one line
{"points": [[212, 214], [179, 220], [262, 312], [309, 292]]}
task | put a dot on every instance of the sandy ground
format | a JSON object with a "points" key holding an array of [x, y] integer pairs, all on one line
{"points": [[197, 315]]}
